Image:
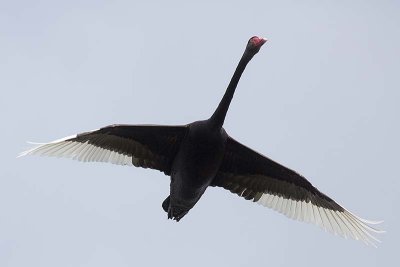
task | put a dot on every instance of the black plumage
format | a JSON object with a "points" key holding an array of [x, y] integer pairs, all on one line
{"points": [[201, 154]]}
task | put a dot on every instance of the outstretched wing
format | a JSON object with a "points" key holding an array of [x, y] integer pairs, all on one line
{"points": [[147, 146], [257, 178]]}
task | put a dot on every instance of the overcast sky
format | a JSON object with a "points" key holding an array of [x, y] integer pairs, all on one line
{"points": [[321, 97]]}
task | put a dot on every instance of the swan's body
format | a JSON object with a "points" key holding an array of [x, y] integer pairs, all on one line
{"points": [[194, 167], [202, 154]]}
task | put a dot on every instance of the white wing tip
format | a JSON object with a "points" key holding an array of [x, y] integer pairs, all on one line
{"points": [[29, 151], [38, 145], [67, 147], [341, 223]]}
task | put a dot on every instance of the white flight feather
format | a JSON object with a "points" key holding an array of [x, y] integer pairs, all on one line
{"points": [[343, 223]]}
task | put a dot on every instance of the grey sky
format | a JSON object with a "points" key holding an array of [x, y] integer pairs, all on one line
{"points": [[322, 97]]}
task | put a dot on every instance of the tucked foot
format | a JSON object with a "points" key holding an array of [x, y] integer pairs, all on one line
{"points": [[176, 213]]}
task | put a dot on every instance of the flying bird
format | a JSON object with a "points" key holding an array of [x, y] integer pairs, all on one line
{"points": [[202, 154]]}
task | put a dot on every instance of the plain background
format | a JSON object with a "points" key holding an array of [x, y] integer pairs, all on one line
{"points": [[321, 97]]}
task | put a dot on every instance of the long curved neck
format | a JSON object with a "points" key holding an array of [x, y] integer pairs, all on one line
{"points": [[218, 118]]}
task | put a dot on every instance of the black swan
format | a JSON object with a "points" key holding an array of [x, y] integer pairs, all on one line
{"points": [[202, 154]]}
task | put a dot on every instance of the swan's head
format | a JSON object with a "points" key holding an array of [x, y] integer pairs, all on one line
{"points": [[254, 44]]}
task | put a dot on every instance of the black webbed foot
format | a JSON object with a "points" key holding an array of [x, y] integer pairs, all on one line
{"points": [[176, 213]]}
